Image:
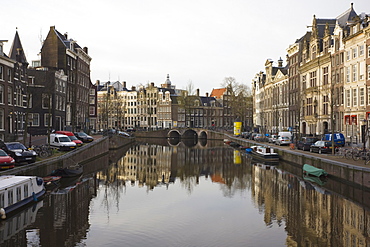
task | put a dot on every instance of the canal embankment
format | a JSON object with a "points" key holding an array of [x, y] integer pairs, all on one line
{"points": [[102, 150], [355, 173]]}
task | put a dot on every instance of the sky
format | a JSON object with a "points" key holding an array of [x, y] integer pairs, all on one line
{"points": [[196, 42]]}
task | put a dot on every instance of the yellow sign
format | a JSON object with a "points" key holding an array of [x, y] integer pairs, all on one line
{"points": [[237, 157], [237, 128]]}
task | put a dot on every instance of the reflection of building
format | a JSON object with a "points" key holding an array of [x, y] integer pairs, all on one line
{"points": [[68, 210], [313, 216], [14, 227]]}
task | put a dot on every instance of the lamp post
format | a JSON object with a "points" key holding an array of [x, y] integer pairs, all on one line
{"points": [[366, 132], [30, 141]]}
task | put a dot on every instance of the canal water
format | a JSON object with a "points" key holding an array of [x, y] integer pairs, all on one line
{"points": [[197, 194]]}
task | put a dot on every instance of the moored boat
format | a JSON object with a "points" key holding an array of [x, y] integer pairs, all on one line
{"points": [[68, 172], [18, 191], [314, 171], [263, 153]]}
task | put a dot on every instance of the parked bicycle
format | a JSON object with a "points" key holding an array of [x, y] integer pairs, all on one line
{"points": [[359, 154], [43, 151]]}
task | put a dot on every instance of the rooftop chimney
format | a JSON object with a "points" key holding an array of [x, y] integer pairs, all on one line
{"points": [[124, 84], [152, 84], [207, 95], [197, 91], [280, 62]]}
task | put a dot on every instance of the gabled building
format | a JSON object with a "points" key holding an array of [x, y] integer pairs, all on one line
{"points": [[60, 52], [47, 105]]}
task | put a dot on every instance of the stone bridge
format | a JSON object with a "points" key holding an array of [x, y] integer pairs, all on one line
{"points": [[182, 133]]}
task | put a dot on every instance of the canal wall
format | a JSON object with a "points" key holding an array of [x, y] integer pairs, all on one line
{"points": [[346, 173], [95, 152]]}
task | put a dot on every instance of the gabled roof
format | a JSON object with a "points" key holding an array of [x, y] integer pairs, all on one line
{"points": [[347, 17], [206, 101], [67, 42], [16, 51], [218, 93]]}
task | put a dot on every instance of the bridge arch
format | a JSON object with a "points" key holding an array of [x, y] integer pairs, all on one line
{"points": [[203, 135], [174, 134], [189, 134]]}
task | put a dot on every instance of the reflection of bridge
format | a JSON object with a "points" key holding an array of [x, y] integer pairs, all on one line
{"points": [[188, 133], [182, 134]]}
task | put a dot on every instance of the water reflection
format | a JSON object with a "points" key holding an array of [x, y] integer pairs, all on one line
{"points": [[256, 200]]}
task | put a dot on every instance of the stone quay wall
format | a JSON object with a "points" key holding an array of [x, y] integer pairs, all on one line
{"points": [[344, 172], [83, 155]]}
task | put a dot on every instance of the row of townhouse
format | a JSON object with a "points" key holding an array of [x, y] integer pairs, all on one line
{"points": [[54, 93], [151, 107], [324, 86]]}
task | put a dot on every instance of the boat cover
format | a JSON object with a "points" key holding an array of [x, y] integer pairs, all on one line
{"points": [[311, 170]]}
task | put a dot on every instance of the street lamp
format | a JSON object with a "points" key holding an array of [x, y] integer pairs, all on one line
{"points": [[366, 132]]}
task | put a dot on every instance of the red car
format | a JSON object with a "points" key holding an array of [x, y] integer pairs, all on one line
{"points": [[6, 162]]}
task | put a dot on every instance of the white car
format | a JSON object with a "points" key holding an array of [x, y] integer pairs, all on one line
{"points": [[272, 138], [283, 140]]}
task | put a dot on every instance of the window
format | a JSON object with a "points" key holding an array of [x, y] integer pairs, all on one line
{"points": [[361, 73], [19, 194], [313, 79], [354, 52], [1, 94], [2, 119], [354, 72], [9, 75], [10, 96], [368, 95], [368, 72], [10, 197], [368, 51], [348, 98], [1, 73], [348, 55], [34, 118], [362, 96], [354, 97], [91, 110], [2, 198], [325, 75], [348, 75], [46, 99], [25, 190], [361, 50], [326, 105], [313, 52], [47, 119], [304, 86]]}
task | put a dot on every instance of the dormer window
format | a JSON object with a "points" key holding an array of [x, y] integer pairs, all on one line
{"points": [[313, 52]]}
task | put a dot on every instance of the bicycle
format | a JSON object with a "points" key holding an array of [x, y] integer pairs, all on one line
{"points": [[43, 151]]}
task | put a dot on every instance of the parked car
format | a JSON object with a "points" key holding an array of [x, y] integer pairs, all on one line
{"points": [[283, 140], [130, 130], [71, 136], [252, 136], [19, 152], [339, 139], [62, 142], [84, 137], [272, 138], [122, 133], [6, 162], [245, 134], [306, 142], [321, 147], [258, 137]]}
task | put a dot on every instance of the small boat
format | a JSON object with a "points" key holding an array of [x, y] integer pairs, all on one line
{"points": [[18, 191], [51, 182], [68, 172], [314, 171], [263, 153]]}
